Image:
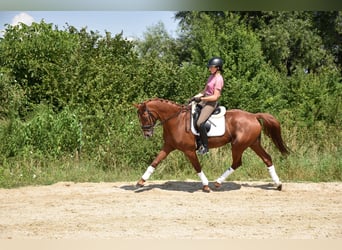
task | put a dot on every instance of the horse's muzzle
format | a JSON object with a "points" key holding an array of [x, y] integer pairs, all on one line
{"points": [[147, 130], [148, 134]]}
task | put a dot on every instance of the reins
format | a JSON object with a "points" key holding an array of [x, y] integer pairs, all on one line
{"points": [[182, 109]]}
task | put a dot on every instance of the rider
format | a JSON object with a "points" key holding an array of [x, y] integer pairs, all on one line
{"points": [[208, 99]]}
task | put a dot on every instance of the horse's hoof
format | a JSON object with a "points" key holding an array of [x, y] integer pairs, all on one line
{"points": [[206, 189], [279, 186], [217, 185], [140, 183]]}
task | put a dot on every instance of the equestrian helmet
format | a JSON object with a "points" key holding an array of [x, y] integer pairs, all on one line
{"points": [[215, 61]]}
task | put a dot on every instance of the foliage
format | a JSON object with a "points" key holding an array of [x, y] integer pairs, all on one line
{"points": [[44, 132]]}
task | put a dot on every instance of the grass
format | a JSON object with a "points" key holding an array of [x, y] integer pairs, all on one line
{"points": [[311, 160], [323, 168], [16, 175]]}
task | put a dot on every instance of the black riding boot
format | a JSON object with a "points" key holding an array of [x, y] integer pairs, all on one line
{"points": [[204, 139], [198, 142]]}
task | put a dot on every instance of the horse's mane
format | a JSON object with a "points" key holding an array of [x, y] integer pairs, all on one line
{"points": [[164, 101]]}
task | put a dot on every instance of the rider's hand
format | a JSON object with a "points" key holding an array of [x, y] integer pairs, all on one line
{"points": [[197, 99]]}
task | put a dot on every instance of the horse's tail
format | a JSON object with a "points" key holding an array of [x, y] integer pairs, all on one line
{"points": [[271, 127]]}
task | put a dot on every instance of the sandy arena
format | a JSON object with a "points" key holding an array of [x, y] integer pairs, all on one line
{"points": [[172, 210]]}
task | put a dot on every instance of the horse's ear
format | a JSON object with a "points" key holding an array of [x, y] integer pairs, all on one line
{"points": [[140, 105]]}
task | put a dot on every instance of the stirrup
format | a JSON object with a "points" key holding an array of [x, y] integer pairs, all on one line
{"points": [[202, 150]]}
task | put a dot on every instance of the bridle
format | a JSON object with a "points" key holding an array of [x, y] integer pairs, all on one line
{"points": [[152, 120]]}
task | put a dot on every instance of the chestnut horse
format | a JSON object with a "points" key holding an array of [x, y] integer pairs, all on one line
{"points": [[243, 130]]}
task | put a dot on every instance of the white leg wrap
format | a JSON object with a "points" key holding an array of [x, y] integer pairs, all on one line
{"points": [[203, 178], [225, 175], [148, 173], [273, 174]]}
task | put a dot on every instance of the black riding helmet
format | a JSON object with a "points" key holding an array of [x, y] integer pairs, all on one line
{"points": [[217, 62]]}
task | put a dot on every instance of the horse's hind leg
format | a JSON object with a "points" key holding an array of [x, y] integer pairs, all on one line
{"points": [[267, 159]]}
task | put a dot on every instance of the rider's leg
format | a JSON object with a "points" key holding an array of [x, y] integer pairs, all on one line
{"points": [[204, 139], [207, 110]]}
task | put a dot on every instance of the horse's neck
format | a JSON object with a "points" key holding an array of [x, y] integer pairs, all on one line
{"points": [[164, 109]]}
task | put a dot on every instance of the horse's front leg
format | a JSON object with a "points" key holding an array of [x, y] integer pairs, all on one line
{"points": [[149, 171], [192, 156]]}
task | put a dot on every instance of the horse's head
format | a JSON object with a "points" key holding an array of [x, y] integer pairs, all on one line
{"points": [[147, 119]]}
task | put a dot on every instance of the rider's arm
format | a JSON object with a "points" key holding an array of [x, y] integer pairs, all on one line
{"points": [[212, 98]]}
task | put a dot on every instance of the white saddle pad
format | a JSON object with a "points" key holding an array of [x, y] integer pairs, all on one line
{"points": [[217, 122]]}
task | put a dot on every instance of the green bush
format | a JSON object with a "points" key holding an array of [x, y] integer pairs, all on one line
{"points": [[44, 132]]}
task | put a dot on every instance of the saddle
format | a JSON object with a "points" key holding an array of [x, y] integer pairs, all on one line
{"points": [[215, 125]]}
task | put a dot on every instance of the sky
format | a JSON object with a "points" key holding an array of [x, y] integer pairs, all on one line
{"points": [[132, 23]]}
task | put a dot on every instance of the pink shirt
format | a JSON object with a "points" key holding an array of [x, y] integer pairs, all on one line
{"points": [[214, 82]]}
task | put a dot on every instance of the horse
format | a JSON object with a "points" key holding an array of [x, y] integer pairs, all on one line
{"points": [[242, 129]]}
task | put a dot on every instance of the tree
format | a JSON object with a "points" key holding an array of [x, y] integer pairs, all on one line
{"points": [[222, 34], [37, 57], [329, 26], [298, 40], [159, 64]]}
